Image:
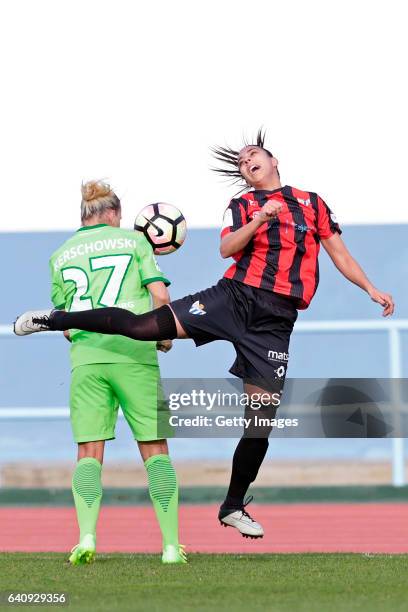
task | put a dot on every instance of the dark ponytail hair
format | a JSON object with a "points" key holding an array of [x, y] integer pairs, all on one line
{"points": [[229, 157]]}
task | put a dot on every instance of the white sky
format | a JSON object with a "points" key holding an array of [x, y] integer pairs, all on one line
{"points": [[136, 92]]}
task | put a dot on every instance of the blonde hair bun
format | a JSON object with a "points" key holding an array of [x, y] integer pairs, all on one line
{"points": [[97, 198], [92, 190]]}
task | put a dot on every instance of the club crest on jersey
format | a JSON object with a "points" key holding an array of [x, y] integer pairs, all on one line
{"points": [[197, 308], [253, 209], [304, 202]]}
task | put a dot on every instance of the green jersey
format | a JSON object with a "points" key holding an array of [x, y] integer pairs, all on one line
{"points": [[103, 266]]}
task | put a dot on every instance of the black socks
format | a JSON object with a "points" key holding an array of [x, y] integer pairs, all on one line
{"points": [[159, 324], [246, 462]]}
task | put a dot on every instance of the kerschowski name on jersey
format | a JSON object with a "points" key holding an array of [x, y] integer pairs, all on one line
{"points": [[85, 248]]}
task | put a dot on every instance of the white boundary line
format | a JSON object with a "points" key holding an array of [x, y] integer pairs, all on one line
{"points": [[27, 412]]}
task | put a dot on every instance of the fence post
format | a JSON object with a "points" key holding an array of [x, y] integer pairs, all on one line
{"points": [[398, 460]]}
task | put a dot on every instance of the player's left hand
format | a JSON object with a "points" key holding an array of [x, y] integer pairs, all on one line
{"points": [[385, 299], [164, 345]]}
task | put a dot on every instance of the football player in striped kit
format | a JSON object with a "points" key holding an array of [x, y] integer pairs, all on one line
{"points": [[274, 233]]}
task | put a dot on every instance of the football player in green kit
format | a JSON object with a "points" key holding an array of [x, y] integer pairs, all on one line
{"points": [[103, 265]]}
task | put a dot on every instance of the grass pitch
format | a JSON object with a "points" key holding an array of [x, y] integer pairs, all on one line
{"points": [[282, 583]]}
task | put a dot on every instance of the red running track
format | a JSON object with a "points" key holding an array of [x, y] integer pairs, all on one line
{"points": [[290, 528]]}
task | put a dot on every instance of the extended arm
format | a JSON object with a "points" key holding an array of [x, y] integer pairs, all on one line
{"points": [[349, 267], [159, 293], [160, 296]]}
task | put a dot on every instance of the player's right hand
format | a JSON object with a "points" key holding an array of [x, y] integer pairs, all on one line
{"points": [[385, 299], [269, 211]]}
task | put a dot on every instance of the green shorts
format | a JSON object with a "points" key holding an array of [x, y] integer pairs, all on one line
{"points": [[97, 390]]}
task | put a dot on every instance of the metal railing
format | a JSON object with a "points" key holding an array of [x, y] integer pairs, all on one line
{"points": [[392, 327]]}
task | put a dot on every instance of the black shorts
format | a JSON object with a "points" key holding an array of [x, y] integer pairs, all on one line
{"points": [[258, 323]]}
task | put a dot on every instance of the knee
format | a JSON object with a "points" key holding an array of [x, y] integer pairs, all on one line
{"points": [[93, 450], [155, 447]]}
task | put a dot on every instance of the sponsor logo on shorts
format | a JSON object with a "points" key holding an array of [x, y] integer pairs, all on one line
{"points": [[280, 372], [276, 356], [197, 308]]}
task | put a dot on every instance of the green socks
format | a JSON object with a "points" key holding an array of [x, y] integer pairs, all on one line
{"points": [[163, 491], [87, 492]]}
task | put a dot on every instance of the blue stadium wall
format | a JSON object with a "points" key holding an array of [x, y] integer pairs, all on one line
{"points": [[35, 370]]}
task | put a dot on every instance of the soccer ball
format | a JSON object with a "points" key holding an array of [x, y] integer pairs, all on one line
{"points": [[164, 227]]}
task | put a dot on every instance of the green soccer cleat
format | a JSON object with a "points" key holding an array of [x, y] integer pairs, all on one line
{"points": [[174, 554], [84, 552]]}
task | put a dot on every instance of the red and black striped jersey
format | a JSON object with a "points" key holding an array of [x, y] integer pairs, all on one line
{"points": [[282, 256]]}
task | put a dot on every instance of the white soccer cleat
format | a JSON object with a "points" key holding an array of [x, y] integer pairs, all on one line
{"points": [[32, 321], [241, 520]]}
